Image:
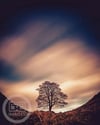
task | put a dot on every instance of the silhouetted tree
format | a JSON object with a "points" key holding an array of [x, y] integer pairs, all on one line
{"points": [[50, 95]]}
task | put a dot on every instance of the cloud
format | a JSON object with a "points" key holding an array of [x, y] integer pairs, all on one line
{"points": [[65, 60], [11, 49], [69, 63], [82, 85], [46, 50], [8, 72]]}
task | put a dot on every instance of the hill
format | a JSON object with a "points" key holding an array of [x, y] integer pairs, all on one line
{"points": [[15, 113], [88, 114]]}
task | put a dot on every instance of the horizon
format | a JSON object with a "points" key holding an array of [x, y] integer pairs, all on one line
{"points": [[15, 103]]}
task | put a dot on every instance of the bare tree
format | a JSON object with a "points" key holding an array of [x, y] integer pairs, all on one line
{"points": [[50, 95]]}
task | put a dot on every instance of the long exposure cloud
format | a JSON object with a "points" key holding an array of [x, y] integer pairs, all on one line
{"points": [[49, 50]]}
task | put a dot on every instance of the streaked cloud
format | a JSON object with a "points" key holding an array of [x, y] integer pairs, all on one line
{"points": [[42, 52]]}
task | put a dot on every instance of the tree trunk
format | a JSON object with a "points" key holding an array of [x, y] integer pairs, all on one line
{"points": [[50, 107]]}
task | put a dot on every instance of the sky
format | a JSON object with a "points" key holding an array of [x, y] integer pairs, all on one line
{"points": [[45, 44]]}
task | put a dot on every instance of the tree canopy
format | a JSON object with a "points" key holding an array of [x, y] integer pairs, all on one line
{"points": [[50, 95]]}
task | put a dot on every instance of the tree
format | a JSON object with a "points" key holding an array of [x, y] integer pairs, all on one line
{"points": [[50, 95]]}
